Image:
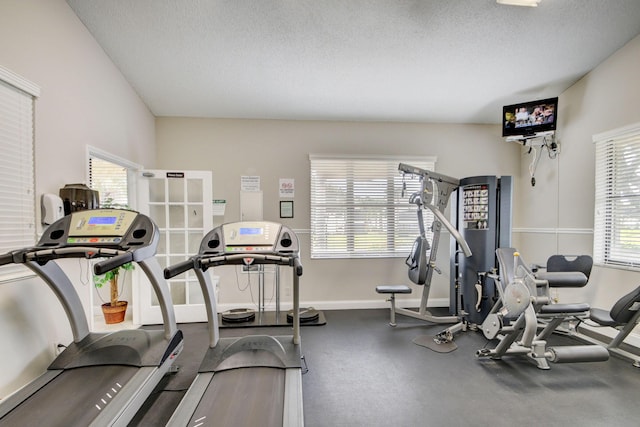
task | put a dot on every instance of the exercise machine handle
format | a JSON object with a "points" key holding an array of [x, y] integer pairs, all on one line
{"points": [[111, 263], [179, 268], [452, 230], [297, 265], [6, 258]]}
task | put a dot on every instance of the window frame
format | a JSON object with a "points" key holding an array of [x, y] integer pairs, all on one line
{"points": [[131, 167], [23, 226], [397, 240], [617, 169]]}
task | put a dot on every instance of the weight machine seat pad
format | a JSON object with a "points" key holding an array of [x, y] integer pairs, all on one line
{"points": [[393, 289], [564, 308], [602, 317], [563, 279]]}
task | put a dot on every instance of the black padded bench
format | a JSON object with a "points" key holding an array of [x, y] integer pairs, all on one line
{"points": [[559, 312], [393, 290]]}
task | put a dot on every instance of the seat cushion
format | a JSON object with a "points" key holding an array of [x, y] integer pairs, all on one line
{"points": [[552, 309], [602, 317], [563, 279], [393, 289]]}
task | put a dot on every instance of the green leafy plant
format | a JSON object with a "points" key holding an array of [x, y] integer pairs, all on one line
{"points": [[111, 277]]}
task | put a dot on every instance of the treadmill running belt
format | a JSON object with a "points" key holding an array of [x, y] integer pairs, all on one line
{"points": [[73, 398], [242, 397]]}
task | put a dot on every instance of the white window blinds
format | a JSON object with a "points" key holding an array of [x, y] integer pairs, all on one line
{"points": [[616, 237], [17, 200], [358, 209], [111, 181]]}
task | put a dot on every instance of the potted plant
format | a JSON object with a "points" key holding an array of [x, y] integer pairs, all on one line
{"points": [[114, 310]]}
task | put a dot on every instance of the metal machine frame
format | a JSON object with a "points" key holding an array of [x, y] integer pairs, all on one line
{"points": [[117, 371], [524, 300], [434, 195], [249, 361]]}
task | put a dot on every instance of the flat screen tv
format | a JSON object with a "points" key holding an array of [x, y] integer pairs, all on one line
{"points": [[530, 118]]}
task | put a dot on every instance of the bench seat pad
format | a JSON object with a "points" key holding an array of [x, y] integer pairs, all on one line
{"points": [[393, 289], [564, 308]]}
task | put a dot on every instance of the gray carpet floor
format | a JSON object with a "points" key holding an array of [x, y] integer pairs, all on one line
{"points": [[362, 372]]}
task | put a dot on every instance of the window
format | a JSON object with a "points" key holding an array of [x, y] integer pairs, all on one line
{"points": [[616, 237], [112, 177], [17, 199], [358, 209]]}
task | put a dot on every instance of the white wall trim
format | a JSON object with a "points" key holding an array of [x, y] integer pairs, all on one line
{"points": [[345, 305], [617, 133], [104, 155], [433, 159], [21, 83], [514, 230], [553, 230]]}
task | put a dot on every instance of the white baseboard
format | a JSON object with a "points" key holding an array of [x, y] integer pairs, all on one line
{"points": [[633, 339], [346, 305]]}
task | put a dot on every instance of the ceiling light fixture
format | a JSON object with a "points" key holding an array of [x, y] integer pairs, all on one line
{"points": [[530, 3]]}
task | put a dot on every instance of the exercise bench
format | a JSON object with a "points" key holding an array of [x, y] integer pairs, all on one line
{"points": [[393, 290]]}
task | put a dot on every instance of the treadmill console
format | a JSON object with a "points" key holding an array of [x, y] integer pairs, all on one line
{"points": [[99, 226], [250, 237], [109, 228]]}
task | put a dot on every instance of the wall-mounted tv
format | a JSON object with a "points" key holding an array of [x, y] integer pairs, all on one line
{"points": [[530, 118]]}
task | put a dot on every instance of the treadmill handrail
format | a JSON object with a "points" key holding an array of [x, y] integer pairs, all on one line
{"points": [[179, 268], [40, 254], [212, 261], [112, 263]]}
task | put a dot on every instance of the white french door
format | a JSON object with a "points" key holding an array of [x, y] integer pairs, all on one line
{"points": [[180, 203]]}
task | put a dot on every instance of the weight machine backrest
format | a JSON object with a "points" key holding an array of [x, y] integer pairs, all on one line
{"points": [[626, 307], [581, 263], [417, 261]]}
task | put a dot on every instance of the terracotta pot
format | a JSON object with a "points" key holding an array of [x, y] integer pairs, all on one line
{"points": [[114, 314]]}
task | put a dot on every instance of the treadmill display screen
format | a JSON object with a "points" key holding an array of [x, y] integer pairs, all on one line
{"points": [[253, 231], [98, 223], [102, 220]]}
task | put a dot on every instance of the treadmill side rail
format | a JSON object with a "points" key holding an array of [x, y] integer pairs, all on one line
{"points": [[191, 400], [131, 398], [9, 403], [293, 415]]}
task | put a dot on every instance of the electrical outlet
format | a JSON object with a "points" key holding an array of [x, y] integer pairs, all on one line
{"points": [[58, 348], [287, 291]]}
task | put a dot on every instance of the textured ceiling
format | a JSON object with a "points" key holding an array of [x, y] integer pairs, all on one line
{"points": [[453, 61]]}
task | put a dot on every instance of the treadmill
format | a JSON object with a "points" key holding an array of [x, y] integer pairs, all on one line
{"points": [[101, 379], [256, 379]]}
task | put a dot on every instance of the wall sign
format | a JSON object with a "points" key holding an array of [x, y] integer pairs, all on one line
{"points": [[286, 209]]}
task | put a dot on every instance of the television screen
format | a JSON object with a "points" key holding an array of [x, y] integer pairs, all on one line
{"points": [[530, 118]]}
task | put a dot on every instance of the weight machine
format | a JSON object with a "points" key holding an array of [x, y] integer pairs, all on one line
{"points": [[436, 189], [524, 300]]}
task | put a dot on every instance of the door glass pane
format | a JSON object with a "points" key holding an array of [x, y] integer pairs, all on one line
{"points": [[195, 293], [194, 190], [154, 299], [156, 190], [194, 242], [162, 244], [176, 217], [177, 244], [178, 294], [176, 190], [195, 216], [158, 215], [176, 259]]}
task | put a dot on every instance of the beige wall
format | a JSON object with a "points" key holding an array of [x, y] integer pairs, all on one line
{"points": [[563, 200], [280, 149], [84, 101]]}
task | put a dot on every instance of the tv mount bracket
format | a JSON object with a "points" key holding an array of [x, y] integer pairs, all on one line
{"points": [[537, 143]]}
